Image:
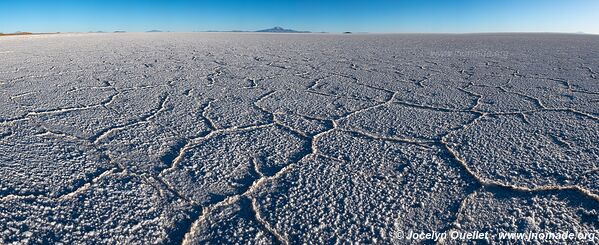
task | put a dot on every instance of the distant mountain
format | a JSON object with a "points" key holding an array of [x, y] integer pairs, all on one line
{"points": [[16, 33], [154, 31], [278, 29]]}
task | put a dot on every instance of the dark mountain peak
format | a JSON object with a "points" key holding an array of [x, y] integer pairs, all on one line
{"points": [[279, 29]]}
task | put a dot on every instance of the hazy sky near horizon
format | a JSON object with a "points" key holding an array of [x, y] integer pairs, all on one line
{"points": [[456, 16]]}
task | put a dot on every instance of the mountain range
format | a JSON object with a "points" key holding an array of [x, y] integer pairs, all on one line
{"points": [[278, 29]]}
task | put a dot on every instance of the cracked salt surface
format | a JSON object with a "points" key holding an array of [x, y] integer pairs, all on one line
{"points": [[175, 138]]}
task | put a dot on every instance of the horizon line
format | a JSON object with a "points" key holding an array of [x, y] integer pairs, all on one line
{"points": [[300, 32]]}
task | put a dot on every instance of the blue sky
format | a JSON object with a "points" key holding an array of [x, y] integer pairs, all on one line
{"points": [[331, 16]]}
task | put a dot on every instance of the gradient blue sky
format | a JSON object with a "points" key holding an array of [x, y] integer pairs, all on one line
{"points": [[331, 16]]}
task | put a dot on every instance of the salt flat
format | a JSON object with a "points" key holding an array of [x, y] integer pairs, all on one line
{"points": [[138, 138]]}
